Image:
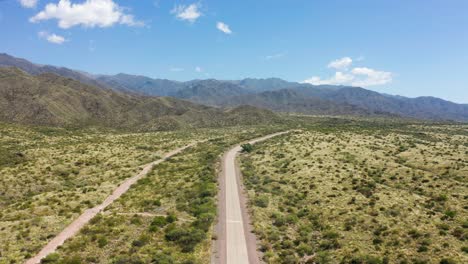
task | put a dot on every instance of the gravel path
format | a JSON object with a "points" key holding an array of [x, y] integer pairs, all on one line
{"points": [[84, 218]]}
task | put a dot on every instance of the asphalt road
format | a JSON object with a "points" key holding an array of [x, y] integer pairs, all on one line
{"points": [[238, 244]]}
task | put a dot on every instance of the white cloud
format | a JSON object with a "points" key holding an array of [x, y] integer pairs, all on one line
{"points": [[339, 78], [360, 58], [198, 69], [90, 13], [223, 27], [371, 77], [341, 64], [189, 13], [275, 56], [176, 69], [28, 3], [52, 38], [358, 76]]}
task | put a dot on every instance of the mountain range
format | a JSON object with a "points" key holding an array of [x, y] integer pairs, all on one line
{"points": [[53, 100], [273, 94]]}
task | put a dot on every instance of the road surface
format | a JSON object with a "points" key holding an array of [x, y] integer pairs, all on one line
{"points": [[84, 218], [236, 242]]}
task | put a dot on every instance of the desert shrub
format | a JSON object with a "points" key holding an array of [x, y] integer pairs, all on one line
{"points": [[186, 238], [171, 218], [247, 147], [447, 261], [464, 249], [415, 234], [9, 157], [329, 244], [322, 257], [102, 241], [162, 258], [51, 258], [204, 221], [261, 201], [72, 260], [159, 221], [459, 233], [449, 214], [127, 260], [366, 259], [141, 241], [279, 220]]}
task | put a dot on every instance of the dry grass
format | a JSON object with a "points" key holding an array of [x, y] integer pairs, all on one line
{"points": [[362, 195], [167, 216], [50, 175]]}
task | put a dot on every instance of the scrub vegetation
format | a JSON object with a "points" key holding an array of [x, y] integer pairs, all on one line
{"points": [[340, 190], [49, 176], [167, 217], [361, 193]]}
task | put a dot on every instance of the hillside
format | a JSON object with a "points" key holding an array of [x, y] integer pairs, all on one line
{"points": [[272, 93], [300, 98], [210, 92], [48, 99], [141, 84], [420, 107], [290, 101], [261, 85], [36, 69]]}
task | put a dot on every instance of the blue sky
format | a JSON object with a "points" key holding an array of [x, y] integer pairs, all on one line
{"points": [[405, 47]]}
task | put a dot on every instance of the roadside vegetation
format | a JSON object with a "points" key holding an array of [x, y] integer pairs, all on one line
{"points": [[361, 192], [49, 176], [167, 217]]}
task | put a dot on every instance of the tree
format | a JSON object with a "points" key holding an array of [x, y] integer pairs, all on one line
{"points": [[247, 147]]}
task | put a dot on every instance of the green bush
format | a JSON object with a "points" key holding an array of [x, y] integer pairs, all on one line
{"points": [[162, 258], [186, 238], [247, 148], [447, 261], [262, 201], [102, 241], [51, 258], [159, 221]]}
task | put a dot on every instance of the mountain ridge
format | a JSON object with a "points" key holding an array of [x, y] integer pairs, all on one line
{"points": [[266, 93], [53, 100]]}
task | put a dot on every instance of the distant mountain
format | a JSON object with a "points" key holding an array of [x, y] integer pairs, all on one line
{"points": [[290, 101], [36, 69], [273, 93], [210, 92], [421, 107], [261, 85], [141, 84], [49, 99]]}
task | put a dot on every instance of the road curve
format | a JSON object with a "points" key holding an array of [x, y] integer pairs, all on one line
{"points": [[84, 218], [236, 242]]}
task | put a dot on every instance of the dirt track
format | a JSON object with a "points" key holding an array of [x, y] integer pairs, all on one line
{"points": [[84, 218]]}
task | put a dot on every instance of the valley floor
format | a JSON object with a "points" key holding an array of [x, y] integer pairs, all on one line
{"points": [[336, 191], [361, 194], [49, 176]]}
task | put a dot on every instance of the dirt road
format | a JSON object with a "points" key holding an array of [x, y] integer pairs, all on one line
{"points": [[236, 242], [84, 218]]}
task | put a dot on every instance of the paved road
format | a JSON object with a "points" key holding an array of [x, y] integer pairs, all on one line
{"points": [[83, 219], [237, 243]]}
